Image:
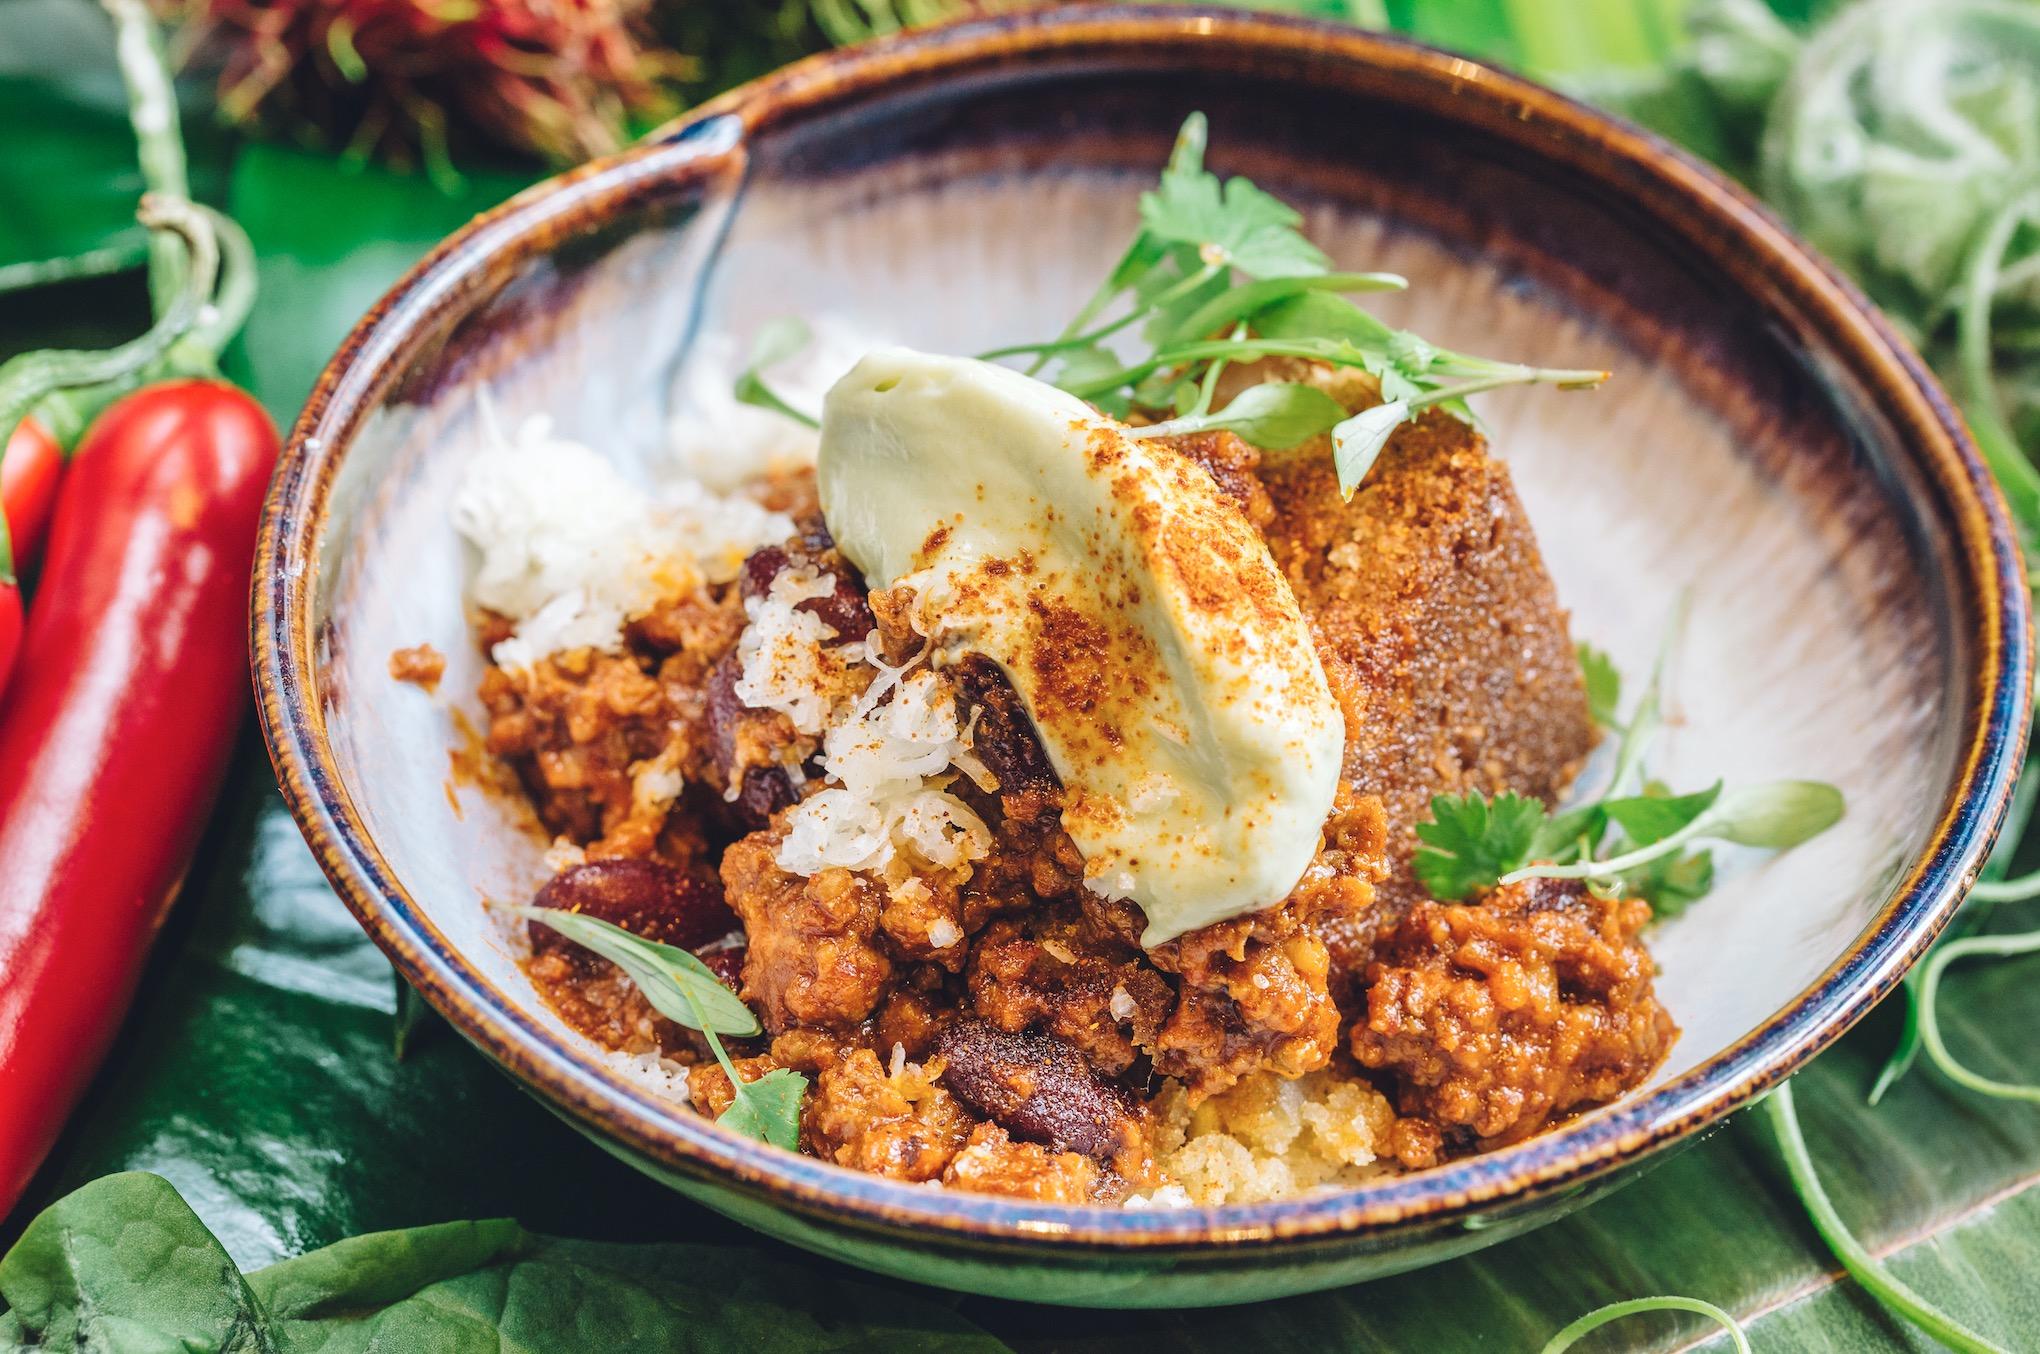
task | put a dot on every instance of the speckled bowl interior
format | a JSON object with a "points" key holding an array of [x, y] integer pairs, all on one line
{"points": [[1849, 614]]}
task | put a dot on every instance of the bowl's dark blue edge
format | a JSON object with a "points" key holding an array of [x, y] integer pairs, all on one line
{"points": [[1563, 1158]]}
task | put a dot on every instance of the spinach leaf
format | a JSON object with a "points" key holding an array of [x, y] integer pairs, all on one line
{"points": [[124, 1265]]}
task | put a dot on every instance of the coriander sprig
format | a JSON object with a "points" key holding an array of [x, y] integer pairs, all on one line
{"points": [[1473, 843], [686, 991], [1177, 276]]}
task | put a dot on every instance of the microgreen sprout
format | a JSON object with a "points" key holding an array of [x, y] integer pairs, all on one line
{"points": [[1180, 281], [1929, 1023], [1219, 272]]}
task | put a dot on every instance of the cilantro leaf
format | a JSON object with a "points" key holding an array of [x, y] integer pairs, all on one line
{"points": [[768, 1108], [1472, 841], [1232, 224], [1604, 686]]}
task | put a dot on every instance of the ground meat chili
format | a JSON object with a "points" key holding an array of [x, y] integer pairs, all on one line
{"points": [[996, 1026]]}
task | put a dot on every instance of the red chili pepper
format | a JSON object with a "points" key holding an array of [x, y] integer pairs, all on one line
{"points": [[10, 628], [29, 467], [29, 470], [118, 728]]}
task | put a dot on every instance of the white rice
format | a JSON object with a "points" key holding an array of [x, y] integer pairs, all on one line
{"points": [[570, 550], [661, 1076]]}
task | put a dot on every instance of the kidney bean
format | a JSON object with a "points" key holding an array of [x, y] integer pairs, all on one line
{"points": [[764, 790], [1035, 1086], [845, 610], [644, 897], [727, 963], [760, 568], [1003, 737]]}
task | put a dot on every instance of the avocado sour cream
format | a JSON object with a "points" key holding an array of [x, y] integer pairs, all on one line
{"points": [[1135, 611]]}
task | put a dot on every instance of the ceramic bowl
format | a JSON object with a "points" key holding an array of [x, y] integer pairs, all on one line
{"points": [[1858, 612]]}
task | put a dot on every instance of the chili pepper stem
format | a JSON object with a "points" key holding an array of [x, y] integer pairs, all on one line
{"points": [[159, 144], [28, 379]]}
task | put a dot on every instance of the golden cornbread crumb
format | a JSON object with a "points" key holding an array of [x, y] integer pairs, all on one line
{"points": [[1270, 1137]]}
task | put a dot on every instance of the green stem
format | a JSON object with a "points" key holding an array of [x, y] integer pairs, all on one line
{"points": [[159, 145], [1207, 388], [1338, 355], [107, 259], [1115, 282], [25, 381], [1615, 1311], [1519, 376], [1864, 1267], [1242, 302], [2018, 890], [1064, 342], [1615, 865], [1937, 964], [714, 1042], [1984, 407]]}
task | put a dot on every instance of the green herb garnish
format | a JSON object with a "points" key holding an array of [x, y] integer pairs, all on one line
{"points": [[679, 986], [767, 1109], [1220, 272], [686, 991], [1472, 843], [1890, 1291], [1180, 280], [1778, 815]]}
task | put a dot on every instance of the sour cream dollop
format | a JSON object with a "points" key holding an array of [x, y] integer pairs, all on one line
{"points": [[1136, 612]]}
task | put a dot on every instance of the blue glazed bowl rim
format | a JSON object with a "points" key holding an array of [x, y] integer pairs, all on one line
{"points": [[1719, 216]]}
